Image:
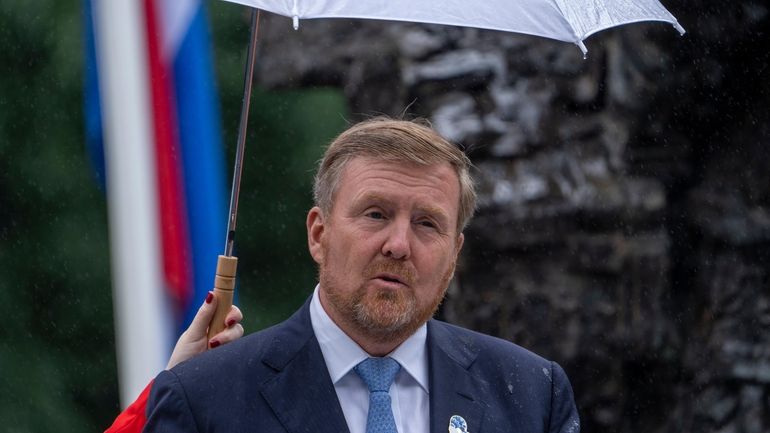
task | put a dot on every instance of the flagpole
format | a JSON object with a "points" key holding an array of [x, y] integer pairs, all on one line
{"points": [[224, 281]]}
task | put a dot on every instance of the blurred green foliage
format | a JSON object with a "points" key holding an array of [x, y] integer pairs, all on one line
{"points": [[57, 350]]}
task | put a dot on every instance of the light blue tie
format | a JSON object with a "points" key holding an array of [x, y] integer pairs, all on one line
{"points": [[378, 375]]}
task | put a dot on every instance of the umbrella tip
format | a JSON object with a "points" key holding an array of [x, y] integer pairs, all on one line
{"points": [[679, 28], [583, 48], [295, 22]]}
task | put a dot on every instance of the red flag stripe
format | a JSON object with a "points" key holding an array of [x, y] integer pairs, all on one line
{"points": [[173, 222]]}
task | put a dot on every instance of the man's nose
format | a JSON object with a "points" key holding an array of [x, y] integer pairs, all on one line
{"points": [[397, 243]]}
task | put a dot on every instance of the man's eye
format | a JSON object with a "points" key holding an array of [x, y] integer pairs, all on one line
{"points": [[375, 215], [428, 224]]}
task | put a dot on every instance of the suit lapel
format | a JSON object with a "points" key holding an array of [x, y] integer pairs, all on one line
{"points": [[301, 393], [453, 389]]}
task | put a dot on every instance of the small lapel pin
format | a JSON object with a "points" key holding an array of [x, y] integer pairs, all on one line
{"points": [[457, 424]]}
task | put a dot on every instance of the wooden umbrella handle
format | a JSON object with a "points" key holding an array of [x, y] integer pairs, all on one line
{"points": [[224, 287]]}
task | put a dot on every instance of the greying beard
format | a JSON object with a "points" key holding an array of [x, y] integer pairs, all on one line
{"points": [[383, 318], [400, 320], [372, 320]]}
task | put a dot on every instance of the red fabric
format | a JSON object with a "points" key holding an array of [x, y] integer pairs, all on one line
{"points": [[171, 199], [133, 419]]}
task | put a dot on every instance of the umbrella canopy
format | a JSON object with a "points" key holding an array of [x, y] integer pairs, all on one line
{"points": [[564, 20]]}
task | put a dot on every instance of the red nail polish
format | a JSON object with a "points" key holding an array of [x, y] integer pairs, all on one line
{"points": [[214, 344], [231, 322], [209, 297]]}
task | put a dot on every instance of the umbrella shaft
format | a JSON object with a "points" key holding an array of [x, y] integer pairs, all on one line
{"points": [[241, 146]]}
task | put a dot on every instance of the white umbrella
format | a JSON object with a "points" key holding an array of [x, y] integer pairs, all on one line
{"points": [[564, 20]]}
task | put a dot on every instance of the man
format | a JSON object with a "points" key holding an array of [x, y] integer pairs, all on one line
{"points": [[363, 354]]}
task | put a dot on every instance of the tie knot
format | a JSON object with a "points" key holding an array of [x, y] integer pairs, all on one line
{"points": [[377, 373]]}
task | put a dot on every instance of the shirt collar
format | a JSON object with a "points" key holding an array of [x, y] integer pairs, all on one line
{"points": [[341, 353]]}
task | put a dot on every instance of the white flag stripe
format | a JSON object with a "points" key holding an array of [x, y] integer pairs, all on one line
{"points": [[143, 330]]}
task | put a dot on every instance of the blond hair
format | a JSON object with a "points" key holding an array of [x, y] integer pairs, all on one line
{"points": [[397, 141]]}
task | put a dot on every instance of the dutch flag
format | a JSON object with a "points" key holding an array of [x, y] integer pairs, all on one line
{"points": [[151, 101]]}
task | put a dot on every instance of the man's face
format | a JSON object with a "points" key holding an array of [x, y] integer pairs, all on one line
{"points": [[388, 248]]}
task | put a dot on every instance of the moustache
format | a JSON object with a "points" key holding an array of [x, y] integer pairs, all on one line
{"points": [[403, 271]]}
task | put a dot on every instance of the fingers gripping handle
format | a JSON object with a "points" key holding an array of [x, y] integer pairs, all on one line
{"points": [[224, 286]]}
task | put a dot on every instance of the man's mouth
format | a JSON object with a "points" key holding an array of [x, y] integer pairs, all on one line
{"points": [[390, 278]]}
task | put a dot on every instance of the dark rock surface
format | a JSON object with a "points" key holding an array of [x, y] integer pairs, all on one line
{"points": [[624, 218]]}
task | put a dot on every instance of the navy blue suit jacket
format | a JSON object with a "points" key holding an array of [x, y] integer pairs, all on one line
{"points": [[276, 381]]}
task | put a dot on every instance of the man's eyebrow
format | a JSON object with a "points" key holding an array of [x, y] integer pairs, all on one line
{"points": [[372, 196], [433, 211], [436, 212]]}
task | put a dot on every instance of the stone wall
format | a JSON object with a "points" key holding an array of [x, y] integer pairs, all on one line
{"points": [[623, 227]]}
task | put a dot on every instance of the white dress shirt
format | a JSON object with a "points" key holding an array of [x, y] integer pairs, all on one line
{"points": [[409, 392]]}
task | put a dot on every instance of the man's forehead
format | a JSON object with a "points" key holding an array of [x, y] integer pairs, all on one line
{"points": [[360, 167], [428, 202], [397, 162], [371, 196]]}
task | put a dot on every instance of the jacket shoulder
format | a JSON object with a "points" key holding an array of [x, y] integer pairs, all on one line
{"points": [[476, 344], [244, 352], [522, 387]]}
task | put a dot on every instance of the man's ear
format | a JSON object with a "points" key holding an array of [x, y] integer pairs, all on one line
{"points": [[315, 232]]}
